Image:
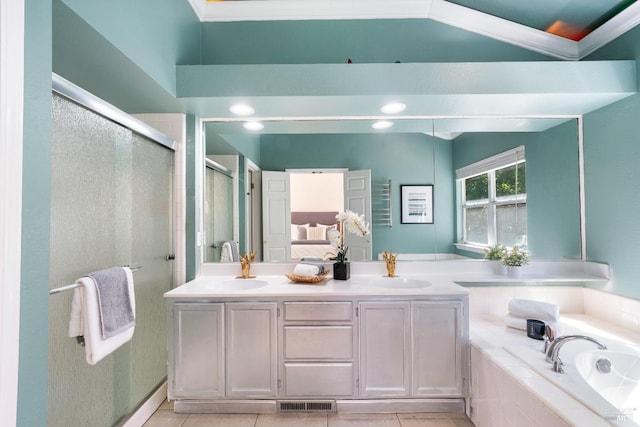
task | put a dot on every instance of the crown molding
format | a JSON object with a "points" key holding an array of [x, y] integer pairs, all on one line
{"points": [[274, 10], [503, 30], [199, 7], [437, 10], [611, 30]]}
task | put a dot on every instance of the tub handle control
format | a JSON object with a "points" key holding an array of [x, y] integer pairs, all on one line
{"points": [[557, 366]]}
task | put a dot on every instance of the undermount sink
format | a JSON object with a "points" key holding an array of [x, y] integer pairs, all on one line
{"points": [[398, 283], [236, 285]]}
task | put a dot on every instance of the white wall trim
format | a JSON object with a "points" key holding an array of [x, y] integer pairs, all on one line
{"points": [[581, 183], [147, 409], [11, 135]]}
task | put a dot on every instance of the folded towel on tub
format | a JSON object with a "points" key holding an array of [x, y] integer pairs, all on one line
{"points": [[104, 319], [529, 309], [515, 322]]}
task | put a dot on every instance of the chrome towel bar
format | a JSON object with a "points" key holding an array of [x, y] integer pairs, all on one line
{"points": [[133, 268]]}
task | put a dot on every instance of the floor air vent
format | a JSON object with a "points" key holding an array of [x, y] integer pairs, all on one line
{"points": [[307, 406]]}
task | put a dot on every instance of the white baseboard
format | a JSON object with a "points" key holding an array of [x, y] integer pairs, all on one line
{"points": [[146, 410]]}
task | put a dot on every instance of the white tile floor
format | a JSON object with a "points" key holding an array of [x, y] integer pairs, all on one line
{"points": [[165, 417]]}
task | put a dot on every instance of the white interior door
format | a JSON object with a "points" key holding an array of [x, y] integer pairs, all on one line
{"points": [[276, 216], [357, 198]]}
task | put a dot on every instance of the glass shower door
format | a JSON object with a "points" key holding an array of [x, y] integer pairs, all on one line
{"points": [[218, 216], [111, 204]]}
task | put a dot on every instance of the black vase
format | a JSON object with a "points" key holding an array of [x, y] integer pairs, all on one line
{"points": [[341, 271]]}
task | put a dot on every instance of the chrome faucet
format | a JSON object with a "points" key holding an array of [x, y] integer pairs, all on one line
{"points": [[553, 352]]}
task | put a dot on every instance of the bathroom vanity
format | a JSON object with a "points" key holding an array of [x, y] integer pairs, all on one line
{"points": [[369, 344]]}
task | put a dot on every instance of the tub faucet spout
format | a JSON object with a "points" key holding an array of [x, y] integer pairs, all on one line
{"points": [[553, 352]]}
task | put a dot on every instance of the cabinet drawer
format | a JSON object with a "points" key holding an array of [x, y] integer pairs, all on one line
{"points": [[318, 379], [336, 311], [318, 342]]}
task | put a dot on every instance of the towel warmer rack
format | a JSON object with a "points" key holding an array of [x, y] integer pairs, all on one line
{"points": [[382, 212], [133, 268]]}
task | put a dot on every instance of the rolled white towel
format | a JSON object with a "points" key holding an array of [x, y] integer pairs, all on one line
{"points": [[306, 270], [529, 309], [515, 322]]}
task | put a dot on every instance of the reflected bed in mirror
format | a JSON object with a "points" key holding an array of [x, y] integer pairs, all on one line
{"points": [[309, 234]]}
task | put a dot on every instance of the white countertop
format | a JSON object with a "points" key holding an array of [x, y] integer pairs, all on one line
{"points": [[279, 286], [217, 280]]}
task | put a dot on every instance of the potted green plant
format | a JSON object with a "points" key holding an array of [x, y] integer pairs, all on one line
{"points": [[514, 259], [353, 223], [495, 252]]}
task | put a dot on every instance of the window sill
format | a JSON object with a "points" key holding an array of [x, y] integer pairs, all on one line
{"points": [[470, 248]]}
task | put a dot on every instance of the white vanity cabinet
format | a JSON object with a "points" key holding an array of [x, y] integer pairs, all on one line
{"points": [[385, 349], [439, 345], [412, 349], [318, 350], [196, 367], [252, 352], [335, 347], [219, 350]]}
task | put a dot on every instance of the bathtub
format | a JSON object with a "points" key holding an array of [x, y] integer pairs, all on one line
{"points": [[615, 396], [615, 376]]}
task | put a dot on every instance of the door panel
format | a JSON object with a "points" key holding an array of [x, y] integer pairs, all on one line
{"points": [[276, 211], [357, 193]]}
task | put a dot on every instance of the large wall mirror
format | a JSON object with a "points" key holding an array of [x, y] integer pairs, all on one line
{"points": [[430, 152]]}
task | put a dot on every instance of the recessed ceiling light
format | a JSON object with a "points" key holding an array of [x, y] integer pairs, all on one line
{"points": [[253, 125], [242, 109], [383, 124], [393, 107]]}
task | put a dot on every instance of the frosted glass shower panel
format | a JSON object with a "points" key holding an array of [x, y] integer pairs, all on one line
{"points": [[151, 231], [111, 205], [218, 214]]}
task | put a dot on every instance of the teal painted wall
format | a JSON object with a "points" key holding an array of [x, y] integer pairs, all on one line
{"points": [[247, 145], [155, 38], [403, 158], [364, 41], [193, 157], [36, 197], [91, 61], [553, 206], [612, 179]]}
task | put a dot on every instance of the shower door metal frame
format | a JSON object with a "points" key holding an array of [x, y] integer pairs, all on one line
{"points": [[99, 106]]}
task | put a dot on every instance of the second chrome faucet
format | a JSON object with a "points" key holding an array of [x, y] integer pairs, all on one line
{"points": [[553, 351]]}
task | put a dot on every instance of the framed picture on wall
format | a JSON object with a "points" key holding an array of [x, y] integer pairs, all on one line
{"points": [[416, 204]]}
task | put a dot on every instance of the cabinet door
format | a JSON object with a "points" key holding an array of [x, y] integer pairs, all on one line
{"points": [[385, 339], [196, 351], [437, 348], [251, 349]]}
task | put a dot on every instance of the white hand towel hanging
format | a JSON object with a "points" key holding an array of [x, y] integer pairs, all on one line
{"points": [[85, 319]]}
